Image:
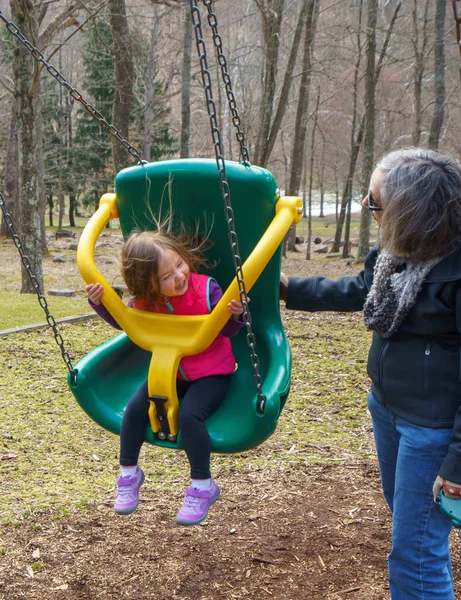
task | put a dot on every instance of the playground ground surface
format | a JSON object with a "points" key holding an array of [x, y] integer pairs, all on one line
{"points": [[301, 517]]}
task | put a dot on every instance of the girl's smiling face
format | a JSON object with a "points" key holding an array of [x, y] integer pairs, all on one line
{"points": [[173, 274]]}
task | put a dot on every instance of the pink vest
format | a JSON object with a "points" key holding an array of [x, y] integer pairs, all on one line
{"points": [[218, 358]]}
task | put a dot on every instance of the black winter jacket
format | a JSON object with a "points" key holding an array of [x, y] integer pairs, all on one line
{"points": [[416, 372]]}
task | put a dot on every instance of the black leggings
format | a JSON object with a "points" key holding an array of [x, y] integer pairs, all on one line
{"points": [[200, 399]]}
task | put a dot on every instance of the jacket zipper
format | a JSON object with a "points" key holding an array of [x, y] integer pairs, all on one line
{"points": [[380, 363], [427, 353]]}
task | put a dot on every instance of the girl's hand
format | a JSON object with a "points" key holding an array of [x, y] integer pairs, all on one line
{"points": [[95, 292], [236, 308]]}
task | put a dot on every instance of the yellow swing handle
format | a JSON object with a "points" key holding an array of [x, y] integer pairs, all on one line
{"points": [[189, 335]]}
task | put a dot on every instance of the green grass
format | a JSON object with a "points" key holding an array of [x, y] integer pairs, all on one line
{"points": [[54, 456], [24, 309]]}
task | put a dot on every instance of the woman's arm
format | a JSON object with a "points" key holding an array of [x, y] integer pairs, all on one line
{"points": [[345, 294]]}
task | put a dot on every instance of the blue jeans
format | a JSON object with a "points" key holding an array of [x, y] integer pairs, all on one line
{"points": [[409, 458]]}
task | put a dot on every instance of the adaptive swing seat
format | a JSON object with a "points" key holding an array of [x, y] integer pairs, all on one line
{"points": [[153, 344]]}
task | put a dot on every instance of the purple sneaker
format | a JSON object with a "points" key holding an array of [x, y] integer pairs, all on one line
{"points": [[127, 499], [196, 505]]}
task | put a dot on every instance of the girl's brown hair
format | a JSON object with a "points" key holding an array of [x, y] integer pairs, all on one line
{"points": [[140, 258], [421, 199]]}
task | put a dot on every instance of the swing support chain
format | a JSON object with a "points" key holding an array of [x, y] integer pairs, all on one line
{"points": [[213, 22], [41, 298], [76, 95], [225, 191]]}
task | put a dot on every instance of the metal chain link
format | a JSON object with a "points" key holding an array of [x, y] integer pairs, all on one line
{"points": [[41, 298], [76, 95], [213, 22], [216, 136]]}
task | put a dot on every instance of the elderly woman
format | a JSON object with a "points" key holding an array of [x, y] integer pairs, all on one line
{"points": [[410, 294]]}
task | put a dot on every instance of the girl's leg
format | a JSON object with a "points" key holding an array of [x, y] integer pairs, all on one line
{"points": [[200, 400], [134, 422]]}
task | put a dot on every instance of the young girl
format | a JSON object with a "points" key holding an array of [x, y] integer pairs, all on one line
{"points": [[160, 272]]}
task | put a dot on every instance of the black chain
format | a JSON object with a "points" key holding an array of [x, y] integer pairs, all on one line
{"points": [[76, 95], [213, 22], [216, 136], [41, 298]]}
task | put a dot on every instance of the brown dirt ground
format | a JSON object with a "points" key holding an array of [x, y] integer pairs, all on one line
{"points": [[307, 533]]}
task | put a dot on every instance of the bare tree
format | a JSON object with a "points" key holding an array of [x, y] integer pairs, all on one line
{"points": [[123, 95], [439, 76], [12, 169], [286, 86], [149, 93], [356, 145], [271, 15], [299, 140], [369, 138], [185, 89], [311, 177], [26, 77], [420, 41]]}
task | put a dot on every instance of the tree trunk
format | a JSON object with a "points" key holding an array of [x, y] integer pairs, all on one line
{"points": [[418, 69], [271, 16], [50, 203], [123, 95], [185, 90], [72, 205], [12, 170], [41, 166], [24, 70], [285, 92], [439, 76], [311, 179], [299, 141], [369, 137], [149, 95], [347, 192]]}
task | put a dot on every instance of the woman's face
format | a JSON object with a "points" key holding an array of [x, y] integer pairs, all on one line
{"points": [[373, 198]]}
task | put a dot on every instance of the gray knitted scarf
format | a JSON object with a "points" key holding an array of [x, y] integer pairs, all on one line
{"points": [[392, 294]]}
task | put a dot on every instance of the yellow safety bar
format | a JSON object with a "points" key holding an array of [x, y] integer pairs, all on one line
{"points": [[190, 334]]}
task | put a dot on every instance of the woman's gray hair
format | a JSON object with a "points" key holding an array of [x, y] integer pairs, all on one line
{"points": [[421, 198]]}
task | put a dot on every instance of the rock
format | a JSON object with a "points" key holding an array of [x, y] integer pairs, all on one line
{"points": [[64, 233], [59, 259], [321, 250], [68, 293]]}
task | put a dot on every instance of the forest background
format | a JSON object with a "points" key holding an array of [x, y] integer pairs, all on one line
{"points": [[323, 88]]}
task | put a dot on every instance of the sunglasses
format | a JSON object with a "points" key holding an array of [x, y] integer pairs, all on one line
{"points": [[372, 206]]}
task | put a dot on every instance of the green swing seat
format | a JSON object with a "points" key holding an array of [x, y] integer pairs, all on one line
{"points": [[110, 374]]}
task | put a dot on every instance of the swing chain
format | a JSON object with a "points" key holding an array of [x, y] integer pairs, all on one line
{"points": [[225, 191], [41, 298], [76, 95], [213, 22]]}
